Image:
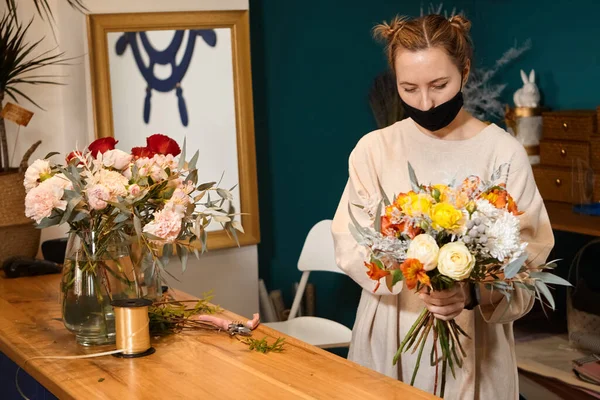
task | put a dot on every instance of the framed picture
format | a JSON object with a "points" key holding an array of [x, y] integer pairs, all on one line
{"points": [[185, 75]]}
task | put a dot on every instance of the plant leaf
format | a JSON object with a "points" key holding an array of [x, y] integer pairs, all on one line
{"points": [[512, 269], [543, 288], [378, 217], [547, 277], [194, 160], [414, 182]]}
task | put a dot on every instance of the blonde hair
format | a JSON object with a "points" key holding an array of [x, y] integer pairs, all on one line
{"points": [[425, 32]]}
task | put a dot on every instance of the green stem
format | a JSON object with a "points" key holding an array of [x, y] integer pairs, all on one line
{"points": [[424, 332], [418, 364], [408, 336], [443, 386], [454, 332]]}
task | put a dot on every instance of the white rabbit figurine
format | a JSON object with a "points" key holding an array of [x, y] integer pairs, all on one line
{"points": [[528, 95]]}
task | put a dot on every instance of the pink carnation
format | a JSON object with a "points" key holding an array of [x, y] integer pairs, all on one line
{"points": [[97, 196], [42, 199], [166, 225]]}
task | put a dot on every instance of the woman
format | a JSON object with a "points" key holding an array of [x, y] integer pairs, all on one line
{"points": [[431, 57]]}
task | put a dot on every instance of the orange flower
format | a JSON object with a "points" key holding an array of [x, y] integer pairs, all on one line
{"points": [[412, 230], [376, 273], [388, 228], [414, 272], [500, 198]]}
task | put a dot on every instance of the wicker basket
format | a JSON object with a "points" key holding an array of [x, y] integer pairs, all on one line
{"points": [[18, 235], [581, 324]]}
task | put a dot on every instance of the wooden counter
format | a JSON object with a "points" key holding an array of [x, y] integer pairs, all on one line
{"points": [[199, 365]]}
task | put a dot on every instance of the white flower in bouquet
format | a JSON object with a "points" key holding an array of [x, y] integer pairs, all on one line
{"points": [[486, 210], [117, 159], [97, 196], [37, 172], [42, 199], [425, 249], [504, 236], [455, 261], [178, 202], [166, 225], [114, 181]]}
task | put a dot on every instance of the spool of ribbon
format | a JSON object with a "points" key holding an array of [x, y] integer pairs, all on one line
{"points": [[132, 327]]}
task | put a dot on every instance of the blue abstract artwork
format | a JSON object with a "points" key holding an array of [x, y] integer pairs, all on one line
{"points": [[167, 56]]}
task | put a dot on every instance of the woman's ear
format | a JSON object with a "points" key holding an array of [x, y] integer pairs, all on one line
{"points": [[466, 72]]}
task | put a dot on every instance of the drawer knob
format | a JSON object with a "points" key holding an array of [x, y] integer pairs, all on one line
{"points": [[565, 126], [563, 152], [558, 182]]}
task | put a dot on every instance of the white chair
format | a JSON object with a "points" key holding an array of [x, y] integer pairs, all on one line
{"points": [[317, 255]]}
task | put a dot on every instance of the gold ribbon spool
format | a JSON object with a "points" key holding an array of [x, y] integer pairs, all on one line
{"points": [[132, 327]]}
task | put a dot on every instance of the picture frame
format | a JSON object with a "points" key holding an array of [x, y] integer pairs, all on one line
{"points": [[210, 104]]}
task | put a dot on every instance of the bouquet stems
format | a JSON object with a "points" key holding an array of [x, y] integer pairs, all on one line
{"points": [[447, 334]]}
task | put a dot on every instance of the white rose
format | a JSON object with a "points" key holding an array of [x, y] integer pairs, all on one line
{"points": [[116, 159], [425, 249], [37, 172], [455, 261]]}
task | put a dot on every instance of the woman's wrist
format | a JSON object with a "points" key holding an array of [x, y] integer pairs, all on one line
{"points": [[471, 295]]}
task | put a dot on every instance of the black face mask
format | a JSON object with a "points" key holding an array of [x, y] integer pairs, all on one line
{"points": [[438, 117]]}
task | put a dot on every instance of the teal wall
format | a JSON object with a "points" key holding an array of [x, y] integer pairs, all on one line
{"points": [[313, 63]]}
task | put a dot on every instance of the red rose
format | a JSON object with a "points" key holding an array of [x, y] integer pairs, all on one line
{"points": [[162, 144], [102, 145], [139, 152], [74, 154]]}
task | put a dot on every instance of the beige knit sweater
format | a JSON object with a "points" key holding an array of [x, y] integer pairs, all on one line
{"points": [[383, 318]]}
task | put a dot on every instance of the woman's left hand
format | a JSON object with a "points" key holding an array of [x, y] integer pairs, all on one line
{"points": [[446, 304]]}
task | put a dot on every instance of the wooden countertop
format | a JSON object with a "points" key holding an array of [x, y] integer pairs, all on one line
{"points": [[563, 218], [204, 364]]}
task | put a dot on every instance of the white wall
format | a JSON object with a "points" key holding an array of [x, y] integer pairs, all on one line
{"points": [[67, 121]]}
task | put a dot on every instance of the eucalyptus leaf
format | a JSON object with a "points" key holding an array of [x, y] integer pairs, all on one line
{"points": [[181, 163], [137, 225], [512, 269], [192, 177], [543, 288], [355, 222], [206, 186], [547, 277], [386, 200], [378, 217], [121, 217], [225, 194], [237, 225], [355, 233], [194, 160], [414, 182]]}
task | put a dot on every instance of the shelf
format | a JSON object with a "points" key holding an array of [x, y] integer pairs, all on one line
{"points": [[562, 218]]}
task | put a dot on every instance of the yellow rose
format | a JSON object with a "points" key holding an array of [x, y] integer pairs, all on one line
{"points": [[455, 261], [445, 216], [414, 204], [425, 249]]}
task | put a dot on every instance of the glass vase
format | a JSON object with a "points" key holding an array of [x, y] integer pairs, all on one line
{"points": [[97, 270]]}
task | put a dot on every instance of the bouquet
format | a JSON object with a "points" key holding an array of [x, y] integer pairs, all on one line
{"points": [[149, 196], [438, 236]]}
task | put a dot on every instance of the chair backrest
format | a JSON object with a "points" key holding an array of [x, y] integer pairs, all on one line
{"points": [[318, 252]]}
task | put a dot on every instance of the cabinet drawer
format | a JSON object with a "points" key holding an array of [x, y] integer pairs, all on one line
{"points": [[563, 153], [562, 184], [571, 125]]}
